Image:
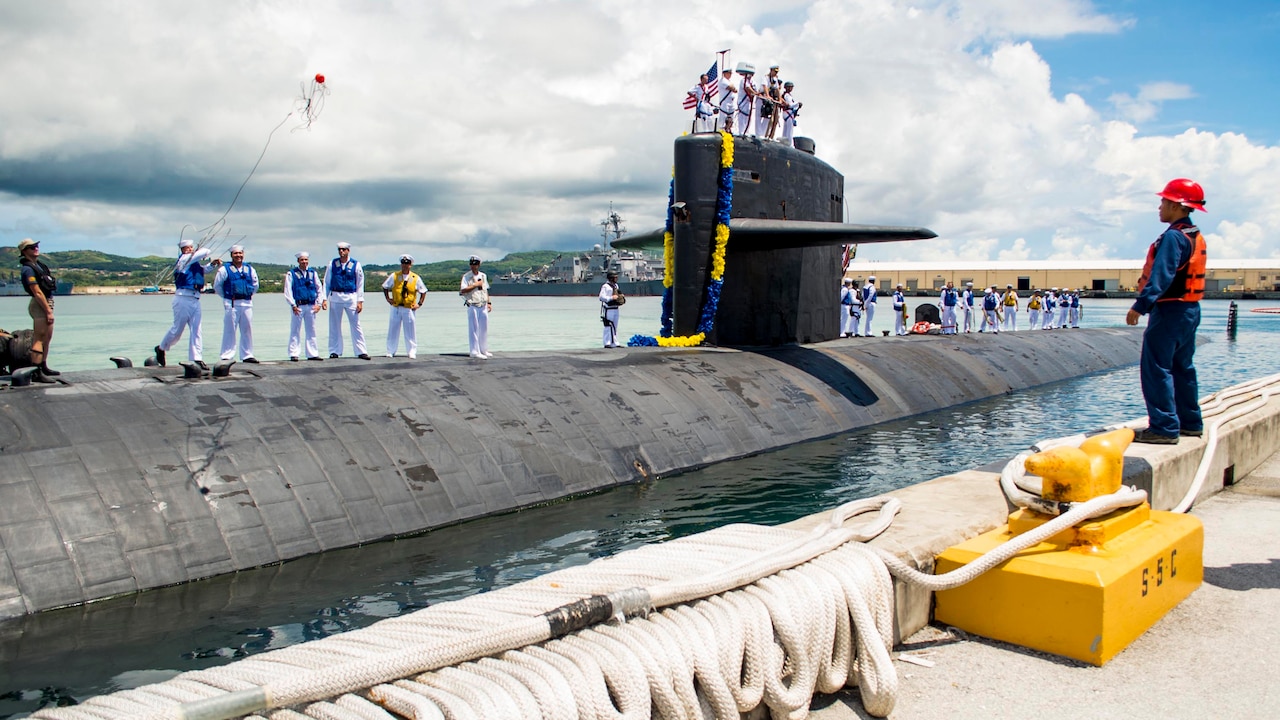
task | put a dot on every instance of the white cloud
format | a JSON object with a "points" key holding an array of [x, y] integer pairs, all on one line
{"points": [[1147, 104], [499, 125]]}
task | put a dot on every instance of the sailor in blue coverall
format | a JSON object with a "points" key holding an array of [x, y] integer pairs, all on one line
{"points": [[1170, 291]]}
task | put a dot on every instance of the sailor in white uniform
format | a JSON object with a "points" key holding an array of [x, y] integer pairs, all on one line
{"points": [[848, 319], [703, 119], [1034, 305], [345, 285], [947, 302], [236, 284], [770, 89], [611, 300], [1073, 309], [744, 122], [899, 311], [991, 311], [869, 303], [726, 102], [304, 291], [1064, 306], [1010, 302], [404, 292], [188, 279], [789, 109], [967, 305], [475, 295], [1050, 305]]}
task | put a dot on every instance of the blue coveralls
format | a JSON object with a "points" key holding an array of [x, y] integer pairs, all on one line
{"points": [[1169, 384]]}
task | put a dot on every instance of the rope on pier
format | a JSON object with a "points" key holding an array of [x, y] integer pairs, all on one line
{"points": [[710, 626]]}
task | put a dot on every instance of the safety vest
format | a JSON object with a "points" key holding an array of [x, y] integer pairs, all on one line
{"points": [[239, 283], [404, 293], [44, 278], [305, 286], [846, 296], [1034, 303], [1188, 279], [1075, 300], [989, 302], [1010, 299], [949, 298], [342, 278], [898, 300], [192, 278]]}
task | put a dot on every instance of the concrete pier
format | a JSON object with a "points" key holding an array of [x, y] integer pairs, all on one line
{"points": [[131, 479]]}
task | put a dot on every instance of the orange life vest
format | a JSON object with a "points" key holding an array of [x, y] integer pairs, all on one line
{"points": [[1188, 280]]}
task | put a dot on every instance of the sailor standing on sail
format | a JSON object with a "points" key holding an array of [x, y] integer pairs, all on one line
{"points": [[703, 122], [746, 99], [345, 284], [899, 311], [724, 121], [790, 108], [475, 293], [869, 302], [991, 311], [304, 291], [236, 284], [188, 279], [850, 310], [611, 298], [967, 306], [947, 303]]}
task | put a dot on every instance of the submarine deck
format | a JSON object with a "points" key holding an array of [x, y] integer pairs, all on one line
{"points": [[130, 479]]}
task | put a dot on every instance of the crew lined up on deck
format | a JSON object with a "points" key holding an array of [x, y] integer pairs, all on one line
{"points": [[962, 311]]}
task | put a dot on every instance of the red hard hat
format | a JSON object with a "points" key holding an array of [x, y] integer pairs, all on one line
{"points": [[1187, 193]]}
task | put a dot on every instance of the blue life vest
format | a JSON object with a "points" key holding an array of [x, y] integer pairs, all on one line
{"points": [[846, 296], [342, 278], [190, 279], [1048, 302], [1075, 301], [989, 302], [305, 286], [869, 294], [949, 298], [239, 283]]}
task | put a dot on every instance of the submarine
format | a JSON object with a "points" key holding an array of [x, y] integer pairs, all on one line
{"points": [[119, 480], [785, 237]]}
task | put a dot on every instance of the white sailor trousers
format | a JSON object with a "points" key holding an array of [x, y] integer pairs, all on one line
{"points": [[305, 320], [478, 328], [237, 318], [341, 304], [402, 318], [186, 315]]}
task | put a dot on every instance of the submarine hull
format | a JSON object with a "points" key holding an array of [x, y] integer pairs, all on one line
{"points": [[134, 478]]}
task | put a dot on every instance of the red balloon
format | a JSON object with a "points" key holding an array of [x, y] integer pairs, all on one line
{"points": [[319, 78]]}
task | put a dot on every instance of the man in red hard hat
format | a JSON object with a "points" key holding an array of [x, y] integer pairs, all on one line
{"points": [[1170, 289]]}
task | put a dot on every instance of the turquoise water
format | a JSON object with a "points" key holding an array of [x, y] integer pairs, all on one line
{"points": [[112, 645]]}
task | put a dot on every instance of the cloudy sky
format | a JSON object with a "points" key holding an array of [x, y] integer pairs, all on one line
{"points": [[1014, 129]]}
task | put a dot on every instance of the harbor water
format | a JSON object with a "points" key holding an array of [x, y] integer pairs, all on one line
{"points": [[65, 655]]}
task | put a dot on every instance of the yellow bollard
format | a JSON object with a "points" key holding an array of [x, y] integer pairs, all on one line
{"points": [[1090, 590]]}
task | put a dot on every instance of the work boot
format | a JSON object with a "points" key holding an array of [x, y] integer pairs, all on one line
{"points": [[200, 364], [159, 356], [40, 377], [44, 368], [1146, 435], [1191, 433]]}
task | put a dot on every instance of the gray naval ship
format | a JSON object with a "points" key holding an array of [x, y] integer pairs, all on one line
{"points": [[124, 479], [581, 273]]}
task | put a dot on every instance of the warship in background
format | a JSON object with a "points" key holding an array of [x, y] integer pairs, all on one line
{"points": [[582, 273]]}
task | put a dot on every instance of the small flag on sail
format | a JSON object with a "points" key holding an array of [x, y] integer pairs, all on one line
{"points": [[711, 88]]}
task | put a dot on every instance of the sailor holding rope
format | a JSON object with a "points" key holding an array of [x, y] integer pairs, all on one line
{"points": [[188, 280]]}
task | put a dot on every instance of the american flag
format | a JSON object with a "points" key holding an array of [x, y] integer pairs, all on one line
{"points": [[846, 257], [712, 86]]}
